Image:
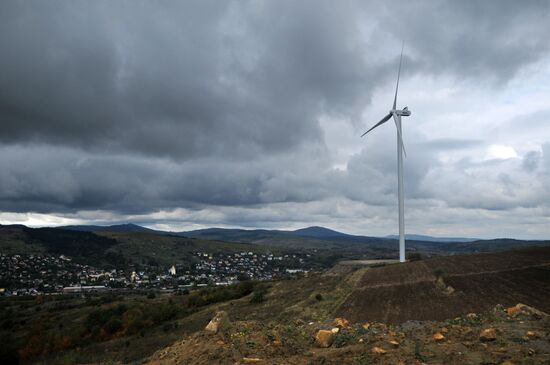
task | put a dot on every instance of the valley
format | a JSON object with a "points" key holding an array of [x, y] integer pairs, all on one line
{"points": [[277, 319]]}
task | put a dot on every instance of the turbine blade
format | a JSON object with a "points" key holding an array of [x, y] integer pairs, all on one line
{"points": [[398, 75], [384, 120], [400, 136]]}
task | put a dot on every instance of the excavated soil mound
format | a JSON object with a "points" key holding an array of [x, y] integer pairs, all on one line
{"points": [[447, 287]]}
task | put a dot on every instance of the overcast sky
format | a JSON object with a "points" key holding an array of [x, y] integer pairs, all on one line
{"points": [[187, 114]]}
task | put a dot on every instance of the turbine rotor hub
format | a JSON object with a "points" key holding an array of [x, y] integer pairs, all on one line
{"points": [[404, 113]]}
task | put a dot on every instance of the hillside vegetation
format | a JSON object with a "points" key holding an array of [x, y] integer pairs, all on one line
{"points": [[277, 321], [111, 248]]}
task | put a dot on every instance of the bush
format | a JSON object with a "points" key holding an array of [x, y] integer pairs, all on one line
{"points": [[97, 318], [257, 297], [215, 295], [259, 294], [133, 321], [8, 324], [415, 256], [343, 339], [8, 355], [163, 312], [319, 297], [113, 326], [195, 300]]}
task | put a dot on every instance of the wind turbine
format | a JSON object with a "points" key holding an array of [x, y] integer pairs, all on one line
{"points": [[397, 114]]}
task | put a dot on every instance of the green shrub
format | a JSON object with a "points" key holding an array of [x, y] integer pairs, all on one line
{"points": [[195, 300], [113, 326], [258, 296], [163, 312], [207, 296], [414, 256], [8, 354], [343, 339]]}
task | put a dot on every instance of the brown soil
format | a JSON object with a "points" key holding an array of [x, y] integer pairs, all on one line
{"points": [[447, 287], [523, 339], [390, 299]]}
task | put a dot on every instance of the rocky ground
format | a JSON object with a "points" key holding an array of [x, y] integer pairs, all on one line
{"points": [[515, 335]]}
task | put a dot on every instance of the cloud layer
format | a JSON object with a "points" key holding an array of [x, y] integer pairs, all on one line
{"points": [[248, 114]]}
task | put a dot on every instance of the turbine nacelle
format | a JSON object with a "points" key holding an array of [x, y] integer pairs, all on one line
{"points": [[404, 113]]}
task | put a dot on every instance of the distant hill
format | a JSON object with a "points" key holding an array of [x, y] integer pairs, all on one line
{"points": [[310, 237], [107, 247], [232, 234], [254, 235], [86, 247], [130, 227], [319, 232], [497, 244], [129, 243], [419, 237]]}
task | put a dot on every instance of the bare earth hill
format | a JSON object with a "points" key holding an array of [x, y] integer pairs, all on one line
{"points": [[447, 310], [446, 287]]}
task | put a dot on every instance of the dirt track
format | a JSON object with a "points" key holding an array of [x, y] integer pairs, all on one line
{"points": [[412, 291]]}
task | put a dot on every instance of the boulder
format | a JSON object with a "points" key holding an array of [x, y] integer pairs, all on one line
{"points": [[324, 338], [498, 308], [449, 290], [513, 311], [251, 360], [218, 323], [529, 311], [488, 334], [438, 336], [394, 343], [341, 322]]}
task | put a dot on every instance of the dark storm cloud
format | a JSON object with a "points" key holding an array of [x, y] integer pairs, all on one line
{"points": [[178, 81], [475, 40], [137, 106], [64, 180], [210, 78]]}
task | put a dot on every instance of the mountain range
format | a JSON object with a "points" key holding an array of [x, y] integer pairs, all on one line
{"points": [[127, 244], [241, 235]]}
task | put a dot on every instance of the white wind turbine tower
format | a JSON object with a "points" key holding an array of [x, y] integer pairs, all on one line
{"points": [[397, 114]]}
